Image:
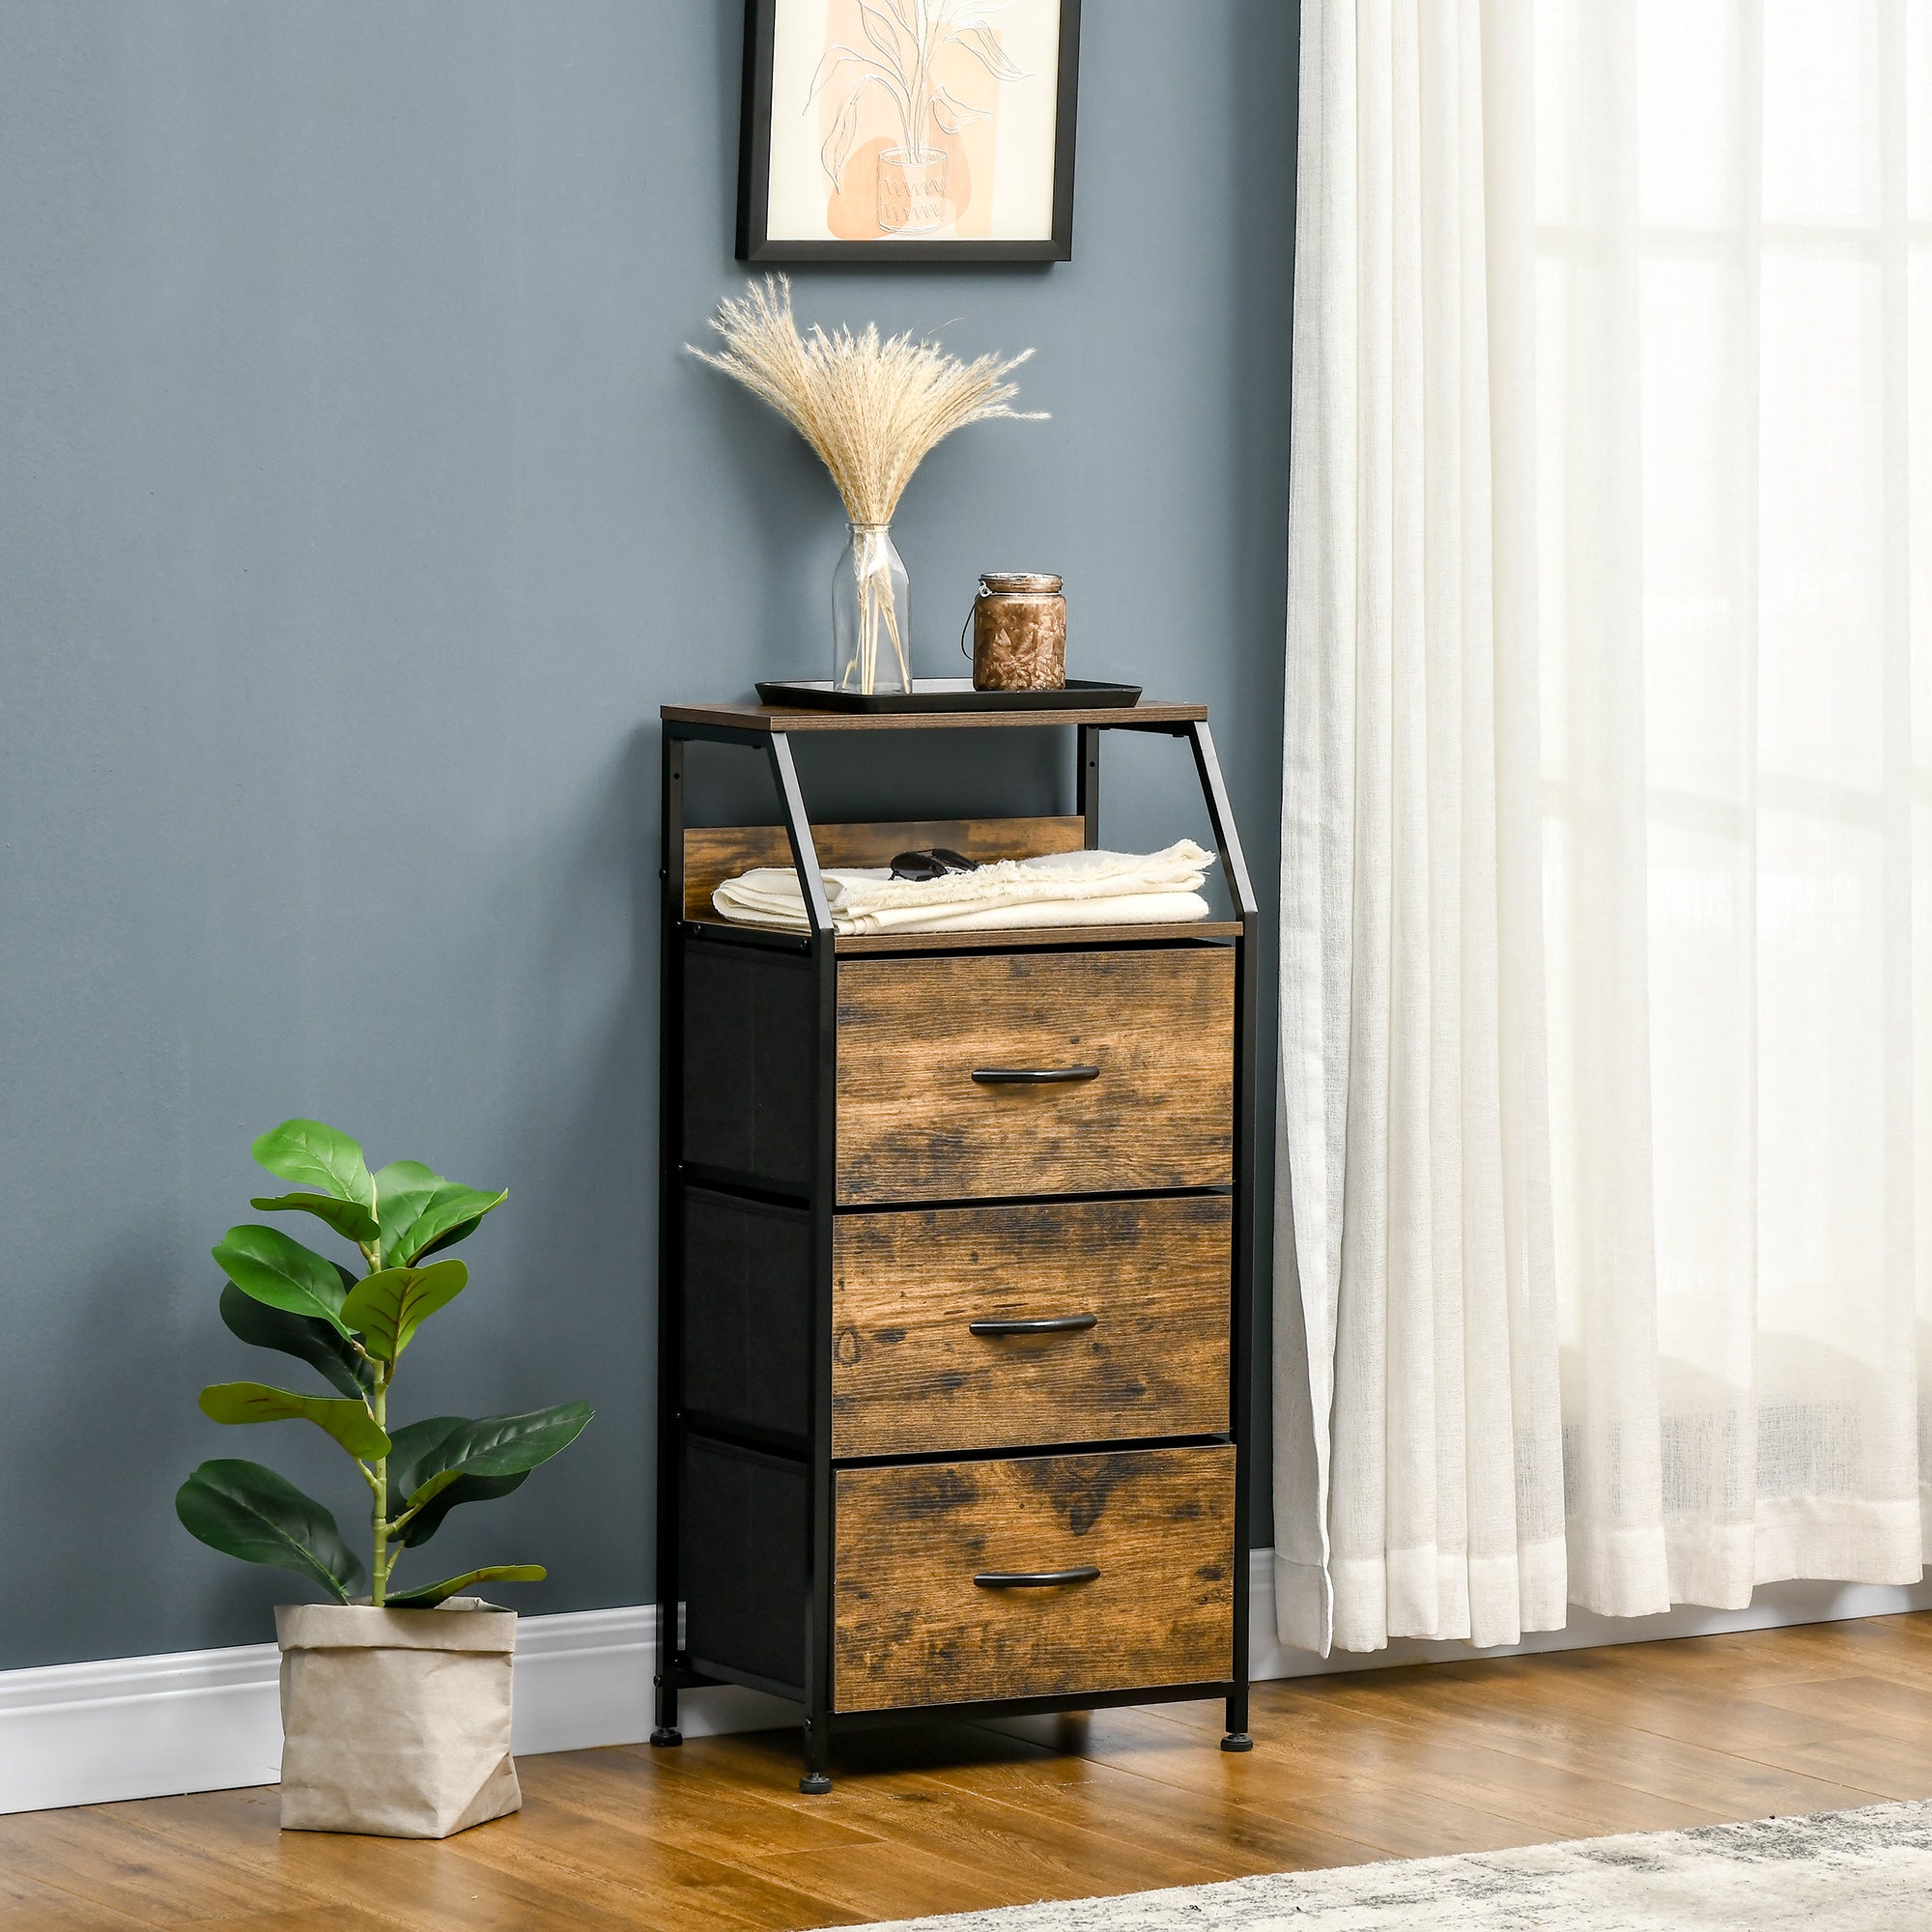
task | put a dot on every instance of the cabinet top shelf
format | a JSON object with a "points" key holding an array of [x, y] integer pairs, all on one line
{"points": [[770, 717]]}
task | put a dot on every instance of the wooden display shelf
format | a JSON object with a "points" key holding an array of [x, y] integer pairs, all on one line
{"points": [[1030, 937], [766, 717]]}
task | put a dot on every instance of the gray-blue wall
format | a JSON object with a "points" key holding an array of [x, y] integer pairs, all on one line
{"points": [[357, 510]]}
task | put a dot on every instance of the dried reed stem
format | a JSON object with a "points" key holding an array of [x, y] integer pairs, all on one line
{"points": [[877, 606]]}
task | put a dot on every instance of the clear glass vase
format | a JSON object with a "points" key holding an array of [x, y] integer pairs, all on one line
{"points": [[871, 613]]}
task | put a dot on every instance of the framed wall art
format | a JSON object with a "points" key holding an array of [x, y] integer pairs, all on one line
{"points": [[918, 131]]}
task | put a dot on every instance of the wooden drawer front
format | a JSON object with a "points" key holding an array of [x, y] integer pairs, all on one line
{"points": [[1150, 1278], [1158, 1025], [911, 1626]]}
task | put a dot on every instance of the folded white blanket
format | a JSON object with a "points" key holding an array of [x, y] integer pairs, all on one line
{"points": [[1059, 889]]}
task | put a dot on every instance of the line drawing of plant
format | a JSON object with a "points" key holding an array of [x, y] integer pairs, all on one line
{"points": [[906, 36]]}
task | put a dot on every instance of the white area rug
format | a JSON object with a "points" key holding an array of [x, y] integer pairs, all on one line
{"points": [[1840, 1871]]}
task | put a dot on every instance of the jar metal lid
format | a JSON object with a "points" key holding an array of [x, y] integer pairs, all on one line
{"points": [[1022, 583]]}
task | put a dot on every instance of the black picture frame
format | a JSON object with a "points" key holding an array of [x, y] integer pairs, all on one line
{"points": [[755, 160]]}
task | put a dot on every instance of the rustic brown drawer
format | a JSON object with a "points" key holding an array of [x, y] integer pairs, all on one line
{"points": [[911, 1626], [1142, 1287], [1137, 1047]]}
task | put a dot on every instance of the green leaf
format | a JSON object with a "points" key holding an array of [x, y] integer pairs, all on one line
{"points": [[421, 1212], [447, 1459], [325, 1348], [246, 1511], [430, 1595], [348, 1423], [264, 1264], [349, 1219], [314, 1155], [414, 1455], [465, 1224], [497, 1445], [414, 1450], [421, 1526], [385, 1309], [402, 1189]]}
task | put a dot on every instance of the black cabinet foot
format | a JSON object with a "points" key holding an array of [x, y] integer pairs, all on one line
{"points": [[1237, 1741], [815, 1784], [663, 1737]]}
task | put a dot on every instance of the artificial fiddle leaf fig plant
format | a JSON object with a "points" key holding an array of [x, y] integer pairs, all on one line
{"points": [[353, 1329]]}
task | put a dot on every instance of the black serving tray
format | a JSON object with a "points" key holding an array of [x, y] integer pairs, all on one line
{"points": [[948, 694]]}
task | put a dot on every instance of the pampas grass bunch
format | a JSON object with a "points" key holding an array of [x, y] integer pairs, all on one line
{"points": [[871, 408]]}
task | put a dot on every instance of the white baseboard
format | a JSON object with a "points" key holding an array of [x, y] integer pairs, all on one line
{"points": [[1772, 1607], [210, 1719]]}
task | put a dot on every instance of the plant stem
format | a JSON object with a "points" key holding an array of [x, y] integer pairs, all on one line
{"points": [[871, 608], [377, 1401], [378, 1570], [895, 74], [923, 78]]}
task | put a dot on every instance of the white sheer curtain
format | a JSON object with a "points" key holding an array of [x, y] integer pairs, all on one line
{"points": [[1607, 919], [1418, 1485]]}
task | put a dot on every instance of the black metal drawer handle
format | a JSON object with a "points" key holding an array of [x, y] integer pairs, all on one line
{"points": [[1034, 1324], [1035, 1580], [1033, 1077]]}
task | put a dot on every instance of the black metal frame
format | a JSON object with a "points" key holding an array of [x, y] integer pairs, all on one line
{"points": [[677, 1669], [754, 167]]}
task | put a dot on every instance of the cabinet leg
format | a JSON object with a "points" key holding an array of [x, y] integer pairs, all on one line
{"points": [[666, 1732], [818, 1761], [1238, 1738]]}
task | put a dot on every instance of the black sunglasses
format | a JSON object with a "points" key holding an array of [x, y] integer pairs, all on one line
{"points": [[933, 865]]}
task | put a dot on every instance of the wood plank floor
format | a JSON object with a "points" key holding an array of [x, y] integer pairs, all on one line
{"points": [[1383, 1764]]}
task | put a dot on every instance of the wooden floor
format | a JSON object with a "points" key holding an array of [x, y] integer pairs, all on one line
{"points": [[1384, 1764]]}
